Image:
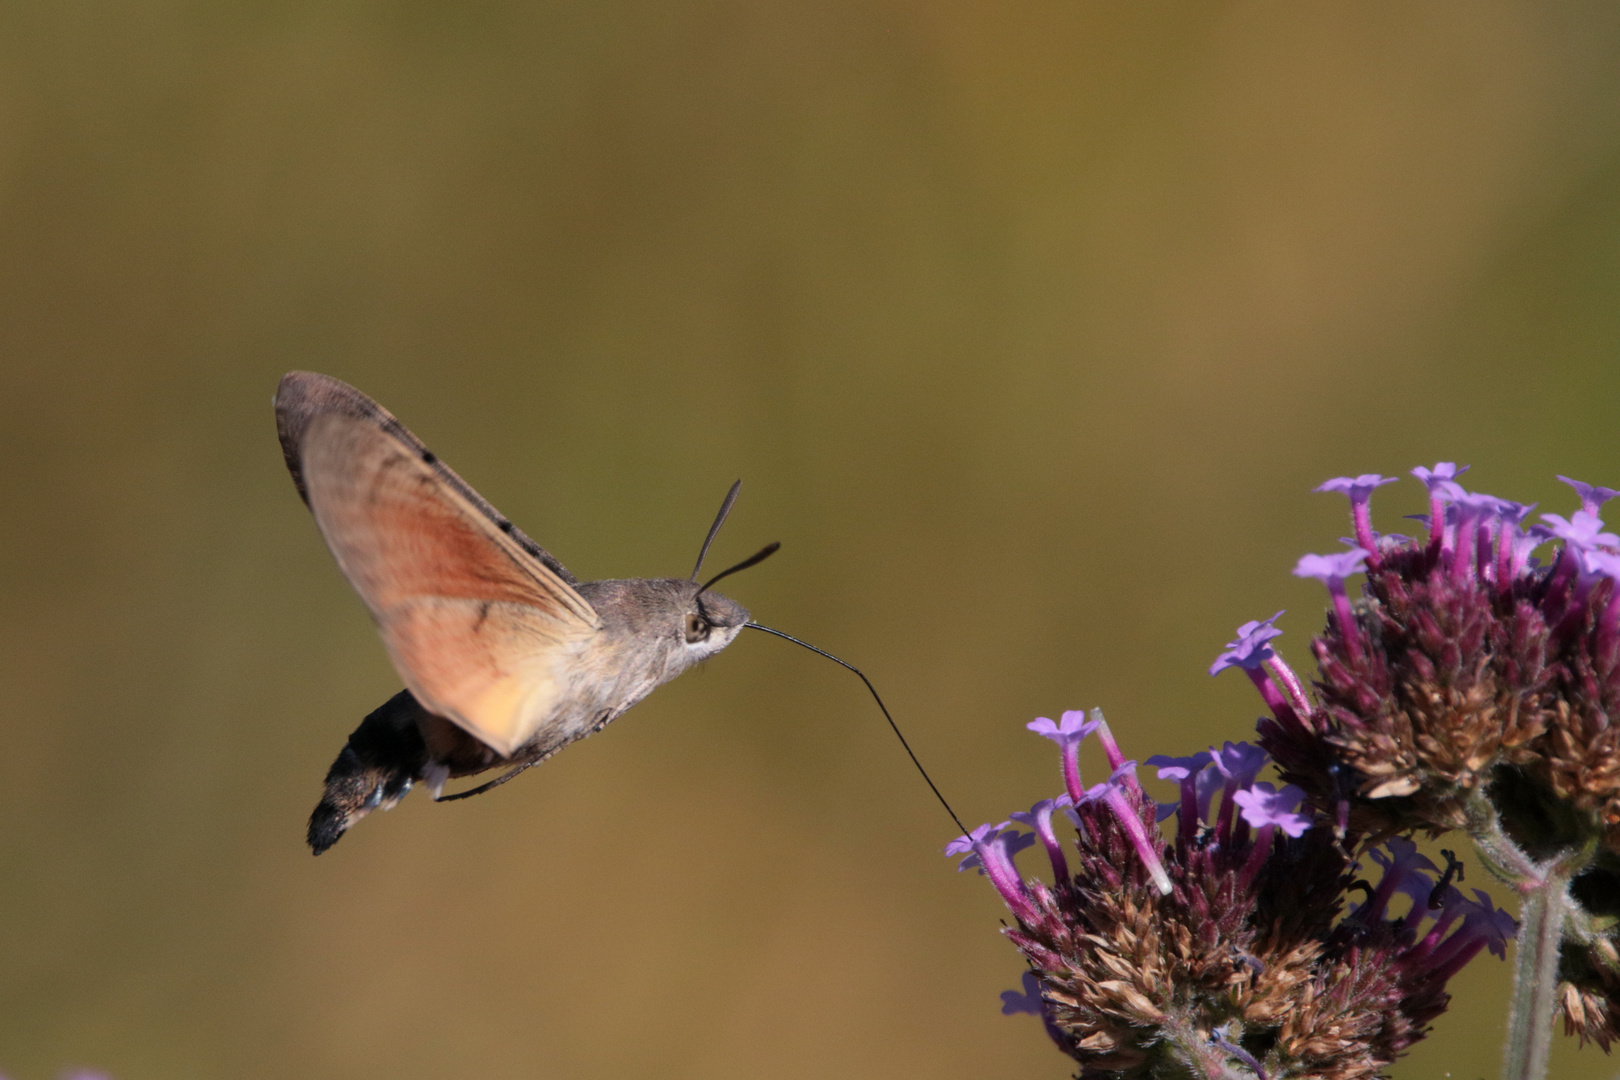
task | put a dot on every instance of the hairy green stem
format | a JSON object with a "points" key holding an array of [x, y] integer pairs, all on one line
{"points": [[1546, 914], [1501, 856], [1535, 976]]}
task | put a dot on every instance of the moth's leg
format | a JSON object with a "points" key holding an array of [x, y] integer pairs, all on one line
{"points": [[526, 758], [434, 777]]}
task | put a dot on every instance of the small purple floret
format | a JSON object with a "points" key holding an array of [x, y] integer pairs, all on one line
{"points": [[1581, 530], [1440, 480], [1592, 497], [1239, 762], [1484, 926], [994, 847], [1332, 570], [1598, 561], [1179, 769], [1264, 806], [1441, 473], [1400, 862], [1068, 734], [1360, 489], [1039, 818], [965, 843], [1251, 647], [1013, 1002], [1356, 486], [1193, 802]]}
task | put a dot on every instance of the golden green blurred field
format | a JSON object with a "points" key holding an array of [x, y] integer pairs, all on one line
{"points": [[1029, 328]]}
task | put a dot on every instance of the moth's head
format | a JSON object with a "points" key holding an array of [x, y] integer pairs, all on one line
{"points": [[710, 623]]}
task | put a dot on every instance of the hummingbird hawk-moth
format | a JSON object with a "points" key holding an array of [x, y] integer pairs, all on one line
{"points": [[506, 657]]}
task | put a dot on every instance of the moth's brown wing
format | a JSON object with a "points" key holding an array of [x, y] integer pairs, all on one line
{"points": [[304, 395], [481, 631]]}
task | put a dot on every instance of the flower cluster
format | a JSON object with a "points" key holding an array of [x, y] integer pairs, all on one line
{"points": [[1471, 687], [1229, 948]]}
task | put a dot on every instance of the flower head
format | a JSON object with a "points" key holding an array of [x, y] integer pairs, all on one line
{"points": [[1471, 687], [1229, 962]]}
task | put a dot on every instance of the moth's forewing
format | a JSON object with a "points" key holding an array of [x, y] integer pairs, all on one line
{"points": [[305, 395], [481, 630]]}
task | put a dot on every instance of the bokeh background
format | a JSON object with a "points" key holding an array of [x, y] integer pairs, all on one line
{"points": [[1028, 326]]}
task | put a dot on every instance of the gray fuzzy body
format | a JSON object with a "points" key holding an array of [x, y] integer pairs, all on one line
{"points": [[646, 638]]}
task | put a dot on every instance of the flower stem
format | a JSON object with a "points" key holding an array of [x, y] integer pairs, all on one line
{"points": [[1535, 977], [1546, 912]]}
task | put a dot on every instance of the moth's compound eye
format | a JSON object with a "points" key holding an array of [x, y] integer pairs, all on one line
{"points": [[697, 629]]}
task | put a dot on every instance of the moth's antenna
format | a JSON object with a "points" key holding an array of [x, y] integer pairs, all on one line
{"points": [[719, 520], [753, 560], [896, 727]]}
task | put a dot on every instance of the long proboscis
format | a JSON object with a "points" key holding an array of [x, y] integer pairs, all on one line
{"points": [[912, 754]]}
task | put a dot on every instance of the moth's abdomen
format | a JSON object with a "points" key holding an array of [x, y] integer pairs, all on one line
{"points": [[384, 756]]}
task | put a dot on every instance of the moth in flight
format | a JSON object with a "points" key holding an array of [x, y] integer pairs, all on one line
{"points": [[506, 657]]}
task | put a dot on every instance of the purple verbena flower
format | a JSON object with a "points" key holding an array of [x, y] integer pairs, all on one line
{"points": [[1068, 734], [1400, 859], [1039, 818], [1484, 926], [1013, 1002], [1332, 570], [993, 848], [1599, 561], [1476, 520], [1360, 489], [1580, 530], [1193, 801], [1592, 497], [1264, 807], [1156, 948], [1440, 481], [1031, 1001], [1251, 651], [1511, 540], [1239, 763], [1251, 647]]}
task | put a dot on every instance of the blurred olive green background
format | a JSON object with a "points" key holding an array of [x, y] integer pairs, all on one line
{"points": [[1028, 326]]}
